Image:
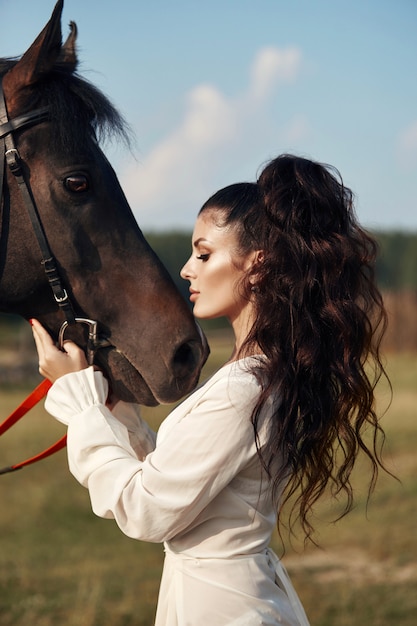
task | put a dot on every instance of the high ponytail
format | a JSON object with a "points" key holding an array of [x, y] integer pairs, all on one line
{"points": [[320, 320]]}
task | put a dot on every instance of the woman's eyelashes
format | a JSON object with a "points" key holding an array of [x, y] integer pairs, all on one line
{"points": [[203, 257]]}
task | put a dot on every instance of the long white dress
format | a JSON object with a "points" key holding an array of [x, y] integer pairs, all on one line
{"points": [[200, 490]]}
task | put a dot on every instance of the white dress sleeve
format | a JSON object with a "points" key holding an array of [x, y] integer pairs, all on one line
{"points": [[157, 498], [141, 437], [74, 393]]}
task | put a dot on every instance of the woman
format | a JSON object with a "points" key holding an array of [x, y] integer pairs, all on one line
{"points": [[285, 260]]}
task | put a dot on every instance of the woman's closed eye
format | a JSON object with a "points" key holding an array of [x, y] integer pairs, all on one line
{"points": [[203, 257]]}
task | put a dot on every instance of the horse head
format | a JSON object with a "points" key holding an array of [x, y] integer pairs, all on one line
{"points": [[153, 350]]}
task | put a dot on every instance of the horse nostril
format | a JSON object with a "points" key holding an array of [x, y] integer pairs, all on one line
{"points": [[186, 359], [189, 358]]}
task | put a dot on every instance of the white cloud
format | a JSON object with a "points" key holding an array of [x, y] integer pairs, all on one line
{"points": [[176, 164], [172, 181], [407, 146], [273, 67]]}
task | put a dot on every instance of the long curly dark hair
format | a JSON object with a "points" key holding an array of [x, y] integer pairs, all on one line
{"points": [[319, 320]]}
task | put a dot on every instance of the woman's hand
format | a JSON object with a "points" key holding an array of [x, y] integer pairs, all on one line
{"points": [[53, 363]]}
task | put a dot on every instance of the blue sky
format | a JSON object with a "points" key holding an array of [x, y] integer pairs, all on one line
{"points": [[214, 89]]}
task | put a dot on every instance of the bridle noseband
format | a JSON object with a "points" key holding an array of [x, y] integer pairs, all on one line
{"points": [[9, 155]]}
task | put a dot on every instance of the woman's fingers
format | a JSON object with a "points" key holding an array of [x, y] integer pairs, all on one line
{"points": [[75, 354], [43, 339], [54, 363]]}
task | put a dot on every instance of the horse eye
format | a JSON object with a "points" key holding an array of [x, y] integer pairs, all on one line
{"points": [[77, 183]]}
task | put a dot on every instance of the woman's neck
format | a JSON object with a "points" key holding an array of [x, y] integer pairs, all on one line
{"points": [[242, 347], [242, 326]]}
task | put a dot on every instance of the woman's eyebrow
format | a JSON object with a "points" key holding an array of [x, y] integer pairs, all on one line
{"points": [[199, 240]]}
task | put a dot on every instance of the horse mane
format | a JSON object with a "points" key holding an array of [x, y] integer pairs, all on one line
{"points": [[78, 108]]}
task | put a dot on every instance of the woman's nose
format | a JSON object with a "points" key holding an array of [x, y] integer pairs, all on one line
{"points": [[186, 272]]}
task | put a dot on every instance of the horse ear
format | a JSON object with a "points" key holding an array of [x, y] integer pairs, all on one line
{"points": [[37, 61], [68, 54]]}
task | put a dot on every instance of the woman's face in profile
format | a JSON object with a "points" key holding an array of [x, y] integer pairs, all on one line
{"points": [[215, 270]]}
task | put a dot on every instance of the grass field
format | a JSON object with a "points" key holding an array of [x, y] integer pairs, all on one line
{"points": [[59, 564]]}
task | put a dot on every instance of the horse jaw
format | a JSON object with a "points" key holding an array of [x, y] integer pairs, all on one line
{"points": [[126, 382]]}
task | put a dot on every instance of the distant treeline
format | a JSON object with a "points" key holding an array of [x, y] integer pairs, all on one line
{"points": [[396, 267], [396, 272], [397, 261]]}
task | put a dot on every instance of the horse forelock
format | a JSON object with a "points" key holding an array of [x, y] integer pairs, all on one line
{"points": [[79, 110]]}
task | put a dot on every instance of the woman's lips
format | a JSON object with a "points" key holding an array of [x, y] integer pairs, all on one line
{"points": [[193, 295]]}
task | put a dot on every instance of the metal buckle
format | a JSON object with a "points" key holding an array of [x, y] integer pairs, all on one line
{"points": [[60, 299], [92, 336], [13, 160]]}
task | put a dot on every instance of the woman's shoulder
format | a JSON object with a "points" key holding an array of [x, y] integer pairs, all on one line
{"points": [[238, 379], [228, 395]]}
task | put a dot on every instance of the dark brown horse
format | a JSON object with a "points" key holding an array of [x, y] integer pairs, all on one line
{"points": [[100, 266]]}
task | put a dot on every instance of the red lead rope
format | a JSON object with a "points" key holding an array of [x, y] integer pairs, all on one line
{"points": [[37, 394]]}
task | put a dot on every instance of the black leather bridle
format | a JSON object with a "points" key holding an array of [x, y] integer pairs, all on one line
{"points": [[9, 157]]}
